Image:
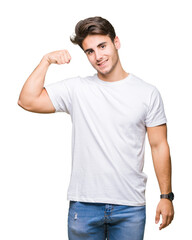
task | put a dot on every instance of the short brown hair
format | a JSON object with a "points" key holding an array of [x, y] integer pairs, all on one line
{"points": [[92, 26]]}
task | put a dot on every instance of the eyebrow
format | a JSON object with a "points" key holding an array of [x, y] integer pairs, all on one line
{"points": [[89, 49]]}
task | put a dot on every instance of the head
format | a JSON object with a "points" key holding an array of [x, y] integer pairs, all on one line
{"points": [[92, 26], [97, 37]]}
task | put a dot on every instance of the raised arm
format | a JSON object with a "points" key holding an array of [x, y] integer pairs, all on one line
{"points": [[33, 96], [162, 163]]}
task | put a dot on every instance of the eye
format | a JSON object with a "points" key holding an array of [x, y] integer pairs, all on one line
{"points": [[89, 52], [103, 46]]}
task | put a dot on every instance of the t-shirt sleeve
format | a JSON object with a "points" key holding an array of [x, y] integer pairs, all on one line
{"points": [[60, 97], [155, 115]]}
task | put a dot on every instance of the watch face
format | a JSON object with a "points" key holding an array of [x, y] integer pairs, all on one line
{"points": [[171, 196]]}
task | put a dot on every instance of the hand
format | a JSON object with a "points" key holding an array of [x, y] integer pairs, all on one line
{"points": [[58, 57], [164, 208]]}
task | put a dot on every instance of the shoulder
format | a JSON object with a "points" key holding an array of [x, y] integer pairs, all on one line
{"points": [[143, 84], [146, 91], [77, 81]]}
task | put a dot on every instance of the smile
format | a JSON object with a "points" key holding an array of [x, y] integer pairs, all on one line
{"points": [[102, 63]]}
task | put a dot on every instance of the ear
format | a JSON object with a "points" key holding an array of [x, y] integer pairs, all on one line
{"points": [[117, 43]]}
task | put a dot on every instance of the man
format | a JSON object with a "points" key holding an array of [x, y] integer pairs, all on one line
{"points": [[111, 112]]}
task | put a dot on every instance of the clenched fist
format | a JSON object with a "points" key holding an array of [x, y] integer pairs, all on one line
{"points": [[58, 57]]}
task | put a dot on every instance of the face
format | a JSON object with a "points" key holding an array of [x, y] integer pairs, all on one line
{"points": [[101, 52]]}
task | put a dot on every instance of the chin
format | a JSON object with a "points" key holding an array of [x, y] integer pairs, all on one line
{"points": [[104, 72]]}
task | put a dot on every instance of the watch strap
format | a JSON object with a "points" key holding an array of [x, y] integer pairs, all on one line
{"points": [[169, 196]]}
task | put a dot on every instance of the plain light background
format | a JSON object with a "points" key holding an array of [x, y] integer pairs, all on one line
{"points": [[35, 156]]}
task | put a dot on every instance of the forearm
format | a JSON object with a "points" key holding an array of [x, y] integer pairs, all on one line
{"points": [[162, 164], [33, 86]]}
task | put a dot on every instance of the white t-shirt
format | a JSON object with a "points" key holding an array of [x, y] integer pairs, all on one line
{"points": [[109, 121]]}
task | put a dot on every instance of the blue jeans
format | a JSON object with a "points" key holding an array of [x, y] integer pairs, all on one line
{"points": [[100, 221]]}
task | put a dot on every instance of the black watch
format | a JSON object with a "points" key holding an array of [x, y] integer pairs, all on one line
{"points": [[169, 196]]}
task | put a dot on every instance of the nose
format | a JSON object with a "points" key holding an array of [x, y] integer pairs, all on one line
{"points": [[98, 56]]}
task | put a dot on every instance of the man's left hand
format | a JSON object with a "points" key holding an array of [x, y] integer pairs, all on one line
{"points": [[164, 208]]}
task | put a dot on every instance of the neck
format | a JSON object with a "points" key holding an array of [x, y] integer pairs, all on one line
{"points": [[118, 73]]}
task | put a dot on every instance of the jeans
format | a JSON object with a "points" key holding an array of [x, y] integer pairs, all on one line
{"points": [[101, 221]]}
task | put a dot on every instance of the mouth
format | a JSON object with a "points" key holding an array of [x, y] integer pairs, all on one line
{"points": [[102, 63]]}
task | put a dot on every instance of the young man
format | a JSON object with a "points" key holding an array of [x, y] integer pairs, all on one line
{"points": [[111, 112]]}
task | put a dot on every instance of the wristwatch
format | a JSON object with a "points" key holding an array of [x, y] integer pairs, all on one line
{"points": [[169, 196]]}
